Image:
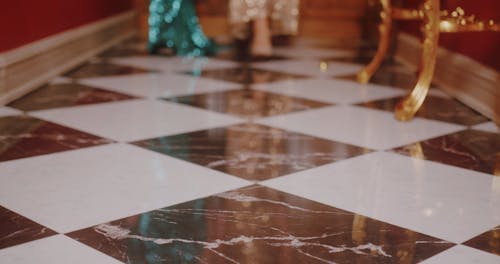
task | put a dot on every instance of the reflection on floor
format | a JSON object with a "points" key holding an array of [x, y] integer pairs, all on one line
{"points": [[133, 158]]}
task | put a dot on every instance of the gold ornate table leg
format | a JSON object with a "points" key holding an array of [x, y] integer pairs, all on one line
{"points": [[384, 30], [406, 109]]}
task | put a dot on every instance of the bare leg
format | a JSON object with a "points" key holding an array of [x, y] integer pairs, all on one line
{"points": [[261, 41]]}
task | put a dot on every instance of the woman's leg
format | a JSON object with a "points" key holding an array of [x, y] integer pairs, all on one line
{"points": [[261, 40]]}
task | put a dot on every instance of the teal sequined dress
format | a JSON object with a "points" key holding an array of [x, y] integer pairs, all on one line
{"points": [[173, 24]]}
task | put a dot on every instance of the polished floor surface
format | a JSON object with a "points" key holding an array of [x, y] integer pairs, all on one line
{"points": [[132, 158]]}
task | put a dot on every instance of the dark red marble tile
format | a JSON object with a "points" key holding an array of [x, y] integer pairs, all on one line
{"points": [[436, 108], [244, 57], [22, 136], [16, 229], [103, 68], [488, 241], [244, 75], [469, 149], [65, 95], [251, 151], [248, 103], [257, 225]]}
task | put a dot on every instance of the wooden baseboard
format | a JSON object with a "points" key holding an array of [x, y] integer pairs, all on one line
{"points": [[30, 66], [471, 82]]}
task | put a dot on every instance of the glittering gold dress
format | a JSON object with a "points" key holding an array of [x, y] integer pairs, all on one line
{"points": [[283, 15]]}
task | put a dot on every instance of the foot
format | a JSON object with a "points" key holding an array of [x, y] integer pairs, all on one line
{"points": [[261, 39], [259, 50]]}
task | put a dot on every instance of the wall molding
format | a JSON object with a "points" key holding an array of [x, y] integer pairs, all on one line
{"points": [[471, 82], [30, 66]]}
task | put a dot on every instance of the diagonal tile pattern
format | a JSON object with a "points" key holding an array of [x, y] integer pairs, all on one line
{"points": [[193, 65], [470, 149], [371, 129], [16, 229], [159, 85], [259, 225], [488, 241], [463, 255], [446, 202], [65, 95], [251, 151], [102, 68], [23, 136], [435, 108], [333, 91], [248, 103], [136, 119], [132, 158], [313, 68], [56, 249], [7, 111], [488, 126], [245, 75], [89, 192]]}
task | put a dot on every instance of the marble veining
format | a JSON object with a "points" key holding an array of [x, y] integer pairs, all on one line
{"points": [[248, 103], [288, 240], [16, 229], [469, 149], [436, 108], [257, 225], [252, 151], [154, 198], [22, 136], [65, 95]]}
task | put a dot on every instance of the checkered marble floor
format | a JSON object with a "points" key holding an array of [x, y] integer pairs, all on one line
{"points": [[132, 158]]}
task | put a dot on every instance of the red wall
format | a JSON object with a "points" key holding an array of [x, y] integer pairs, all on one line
{"points": [[481, 46], [24, 21]]}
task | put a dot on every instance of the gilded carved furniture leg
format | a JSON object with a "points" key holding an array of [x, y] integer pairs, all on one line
{"points": [[384, 29], [406, 109]]}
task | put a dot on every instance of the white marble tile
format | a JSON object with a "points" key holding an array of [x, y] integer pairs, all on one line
{"points": [[7, 111], [361, 126], [446, 202], [54, 250], [310, 67], [159, 85], [308, 52], [136, 119], [488, 127], [174, 64], [71, 190], [463, 255], [331, 90]]}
